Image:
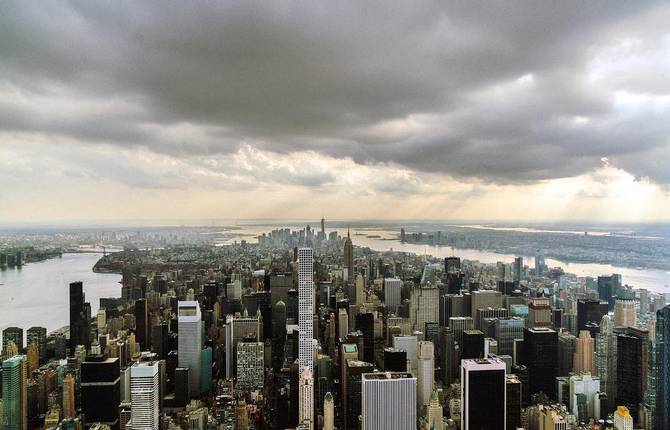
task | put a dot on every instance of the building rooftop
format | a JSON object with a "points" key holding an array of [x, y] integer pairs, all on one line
{"points": [[387, 375]]}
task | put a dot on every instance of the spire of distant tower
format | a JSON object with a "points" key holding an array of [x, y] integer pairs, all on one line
{"points": [[348, 235]]}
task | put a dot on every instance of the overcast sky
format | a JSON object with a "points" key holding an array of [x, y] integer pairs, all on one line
{"points": [[488, 110]]}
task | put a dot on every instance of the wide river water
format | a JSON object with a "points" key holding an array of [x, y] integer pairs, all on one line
{"points": [[37, 294]]}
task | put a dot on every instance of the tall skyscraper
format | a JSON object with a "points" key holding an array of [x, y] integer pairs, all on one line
{"points": [[33, 357], [395, 360], [424, 305], [38, 336], [426, 375], [483, 394], [606, 358], [160, 336], [79, 328], [631, 367], [452, 264], [583, 400], [513, 401], [306, 334], [348, 258], [15, 393], [12, 334], [69, 406], [410, 345], [584, 355], [190, 342], [540, 345], [567, 346], [101, 390], [518, 269], [608, 288], [539, 312], [448, 356], [360, 289], [79, 318], [644, 301], [392, 287], [389, 401], [589, 314], [473, 344], [142, 324], [485, 299], [352, 391], [305, 307], [663, 368], [239, 328], [491, 314], [506, 330], [624, 308], [342, 323], [250, 366], [278, 334], [539, 263], [451, 305], [306, 401], [144, 395]]}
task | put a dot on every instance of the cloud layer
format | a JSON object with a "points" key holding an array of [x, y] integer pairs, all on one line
{"points": [[401, 95]]}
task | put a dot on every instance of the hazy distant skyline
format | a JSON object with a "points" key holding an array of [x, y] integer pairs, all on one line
{"points": [[376, 110]]}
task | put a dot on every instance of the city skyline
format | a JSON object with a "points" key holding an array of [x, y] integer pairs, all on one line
{"points": [[190, 338], [353, 215], [519, 111]]}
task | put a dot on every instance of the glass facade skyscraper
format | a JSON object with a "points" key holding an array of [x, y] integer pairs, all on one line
{"points": [[190, 342], [14, 393]]}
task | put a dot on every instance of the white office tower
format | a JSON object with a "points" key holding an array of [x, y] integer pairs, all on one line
{"points": [[306, 400], [388, 401], [144, 393], [392, 287], [328, 412], [584, 388], [483, 394], [190, 343], [305, 307], [426, 375]]}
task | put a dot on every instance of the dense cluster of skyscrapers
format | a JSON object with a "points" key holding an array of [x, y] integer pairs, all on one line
{"points": [[305, 331]]}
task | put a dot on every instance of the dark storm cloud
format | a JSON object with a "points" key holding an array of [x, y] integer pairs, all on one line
{"points": [[498, 89]]}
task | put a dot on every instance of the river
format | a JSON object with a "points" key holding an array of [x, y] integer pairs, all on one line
{"points": [[37, 294]]}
